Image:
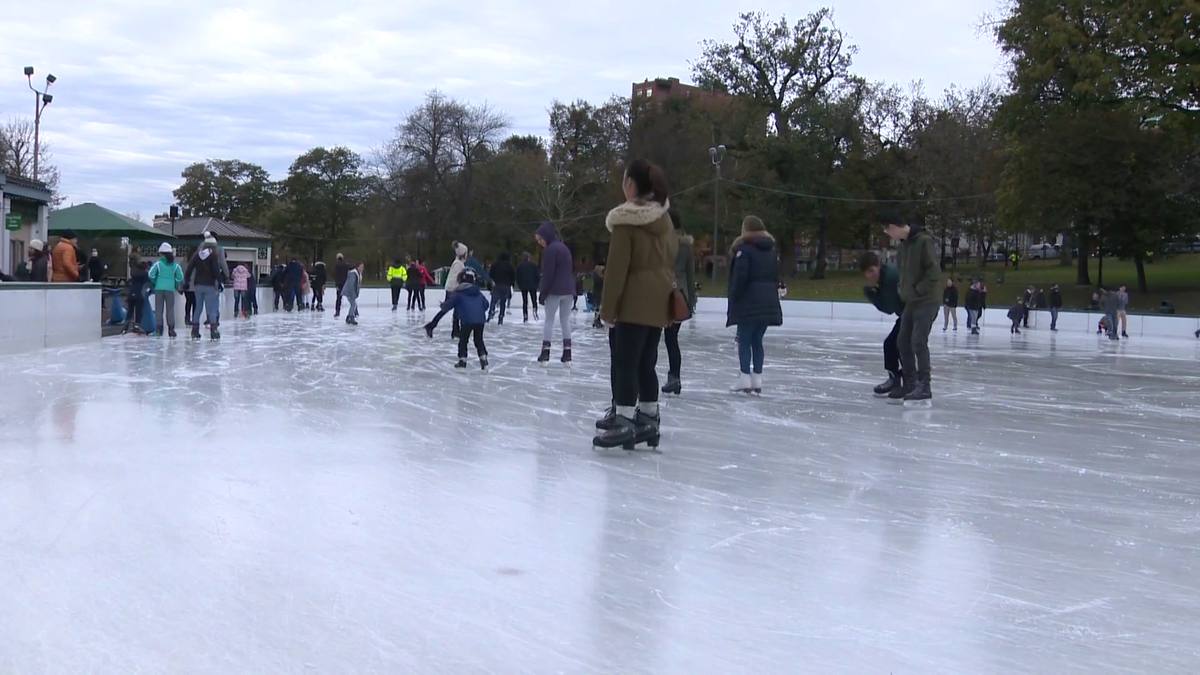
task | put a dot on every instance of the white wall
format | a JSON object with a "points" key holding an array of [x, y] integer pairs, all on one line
{"points": [[39, 316]]}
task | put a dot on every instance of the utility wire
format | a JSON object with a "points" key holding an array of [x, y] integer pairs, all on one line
{"points": [[857, 200]]}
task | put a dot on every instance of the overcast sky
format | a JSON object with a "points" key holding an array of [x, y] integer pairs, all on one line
{"points": [[144, 90]]}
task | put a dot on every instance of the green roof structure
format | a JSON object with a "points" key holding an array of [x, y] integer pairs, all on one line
{"points": [[93, 220]]}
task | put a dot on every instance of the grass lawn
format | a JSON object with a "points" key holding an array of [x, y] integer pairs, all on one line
{"points": [[1176, 279]]}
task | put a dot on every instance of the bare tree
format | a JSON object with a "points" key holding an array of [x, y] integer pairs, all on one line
{"points": [[16, 155]]}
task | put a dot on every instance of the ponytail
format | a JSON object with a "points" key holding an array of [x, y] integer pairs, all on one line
{"points": [[649, 180]]}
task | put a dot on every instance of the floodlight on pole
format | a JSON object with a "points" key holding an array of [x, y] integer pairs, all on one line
{"points": [[717, 155], [41, 99]]}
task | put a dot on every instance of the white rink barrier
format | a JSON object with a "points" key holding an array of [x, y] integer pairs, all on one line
{"points": [[1149, 325], [41, 316]]}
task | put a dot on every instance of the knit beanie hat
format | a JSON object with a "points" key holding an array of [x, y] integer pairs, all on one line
{"points": [[460, 250], [37, 245], [165, 248]]}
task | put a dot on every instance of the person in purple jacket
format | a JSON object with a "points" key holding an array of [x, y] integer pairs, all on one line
{"points": [[557, 289]]}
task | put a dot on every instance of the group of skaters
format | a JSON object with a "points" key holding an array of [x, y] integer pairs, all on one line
{"points": [[200, 281]]}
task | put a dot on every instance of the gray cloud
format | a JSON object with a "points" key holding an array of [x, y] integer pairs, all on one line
{"points": [[145, 89]]}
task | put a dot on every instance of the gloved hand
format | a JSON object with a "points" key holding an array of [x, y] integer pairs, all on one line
{"points": [[541, 298], [869, 291]]}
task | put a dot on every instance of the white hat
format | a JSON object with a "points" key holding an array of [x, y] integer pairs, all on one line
{"points": [[165, 248], [37, 245], [461, 250], [209, 236]]}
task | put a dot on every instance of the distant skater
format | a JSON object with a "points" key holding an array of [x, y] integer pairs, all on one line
{"points": [[949, 305], [350, 293]]}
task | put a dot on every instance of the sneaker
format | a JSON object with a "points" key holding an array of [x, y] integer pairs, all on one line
{"points": [[743, 384], [893, 382]]}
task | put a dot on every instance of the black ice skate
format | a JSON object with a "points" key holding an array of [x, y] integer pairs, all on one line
{"points": [[483, 362], [920, 396], [629, 433], [171, 333], [906, 386], [351, 321], [566, 355], [609, 420], [462, 363], [195, 331], [429, 330], [213, 333], [893, 382], [544, 357], [673, 385]]}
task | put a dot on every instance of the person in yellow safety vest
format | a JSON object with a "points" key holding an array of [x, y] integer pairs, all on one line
{"points": [[1014, 259], [397, 274]]}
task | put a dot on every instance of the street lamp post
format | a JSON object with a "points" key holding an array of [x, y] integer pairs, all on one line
{"points": [[174, 213], [716, 154], [41, 99], [1099, 253]]}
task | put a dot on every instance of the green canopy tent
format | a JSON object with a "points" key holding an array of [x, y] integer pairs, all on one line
{"points": [[93, 220]]}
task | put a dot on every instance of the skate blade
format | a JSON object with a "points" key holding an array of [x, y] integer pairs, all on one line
{"points": [[918, 405]]}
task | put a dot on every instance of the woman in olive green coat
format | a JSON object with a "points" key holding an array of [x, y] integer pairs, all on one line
{"points": [[638, 281]]}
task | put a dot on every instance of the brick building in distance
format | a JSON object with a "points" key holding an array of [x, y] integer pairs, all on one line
{"points": [[662, 88]]}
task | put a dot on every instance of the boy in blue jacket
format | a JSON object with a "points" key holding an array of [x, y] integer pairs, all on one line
{"points": [[471, 307]]}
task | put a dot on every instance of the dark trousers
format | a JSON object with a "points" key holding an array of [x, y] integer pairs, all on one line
{"points": [[410, 302], [396, 288], [1053, 318], [454, 325], [526, 298], [337, 305], [421, 298], [277, 294], [294, 296], [319, 295], [1025, 317], [500, 297], [913, 340], [674, 356], [474, 330], [634, 361], [134, 315], [189, 303], [891, 352]]}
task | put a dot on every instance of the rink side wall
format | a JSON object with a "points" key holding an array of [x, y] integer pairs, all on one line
{"points": [[1068, 322], [47, 316]]}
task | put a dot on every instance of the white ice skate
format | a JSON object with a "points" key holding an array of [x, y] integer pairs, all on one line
{"points": [[743, 385]]}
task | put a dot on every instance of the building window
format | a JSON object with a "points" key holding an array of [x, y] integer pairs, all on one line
{"points": [[648, 92]]}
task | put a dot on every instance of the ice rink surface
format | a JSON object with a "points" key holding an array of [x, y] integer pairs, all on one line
{"points": [[308, 497]]}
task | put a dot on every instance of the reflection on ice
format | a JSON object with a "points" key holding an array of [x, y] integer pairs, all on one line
{"points": [[310, 497]]}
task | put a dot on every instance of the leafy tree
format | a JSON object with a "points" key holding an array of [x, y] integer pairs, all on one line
{"points": [[326, 191], [229, 189]]}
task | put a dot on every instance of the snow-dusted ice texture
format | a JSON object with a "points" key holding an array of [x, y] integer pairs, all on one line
{"points": [[308, 497]]}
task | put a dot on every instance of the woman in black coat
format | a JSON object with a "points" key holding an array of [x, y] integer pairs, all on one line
{"points": [[753, 298]]}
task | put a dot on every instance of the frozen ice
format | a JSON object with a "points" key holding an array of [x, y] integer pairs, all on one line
{"points": [[309, 497]]}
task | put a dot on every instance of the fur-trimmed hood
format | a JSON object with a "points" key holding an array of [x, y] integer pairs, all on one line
{"points": [[636, 213], [763, 240], [687, 239]]}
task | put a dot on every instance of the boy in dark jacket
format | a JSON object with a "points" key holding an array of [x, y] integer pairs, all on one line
{"points": [[317, 281], [1056, 304], [917, 261], [529, 277], [974, 305], [1016, 314], [468, 303], [884, 292], [504, 275]]}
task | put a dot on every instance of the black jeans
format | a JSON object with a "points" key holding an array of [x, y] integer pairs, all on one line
{"points": [[410, 302], [913, 340], [466, 333], [674, 356], [526, 297], [318, 295], [891, 352], [396, 288], [337, 304], [134, 316], [421, 298], [634, 360], [189, 303]]}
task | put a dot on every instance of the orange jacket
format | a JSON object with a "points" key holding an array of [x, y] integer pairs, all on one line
{"points": [[63, 262]]}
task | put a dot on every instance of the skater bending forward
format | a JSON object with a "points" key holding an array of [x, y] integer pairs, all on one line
{"points": [[919, 272], [884, 292], [472, 309], [637, 288]]}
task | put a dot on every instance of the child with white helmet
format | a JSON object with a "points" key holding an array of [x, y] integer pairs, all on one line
{"points": [[166, 279]]}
